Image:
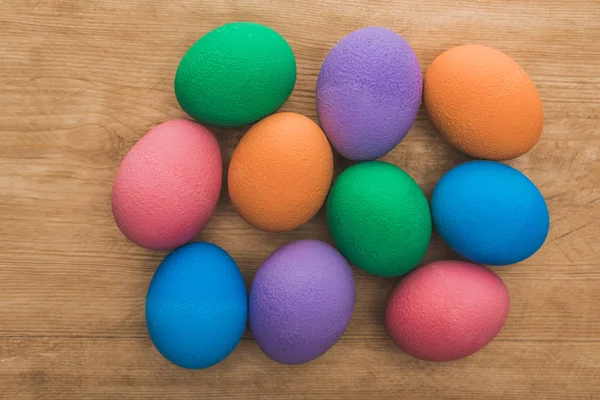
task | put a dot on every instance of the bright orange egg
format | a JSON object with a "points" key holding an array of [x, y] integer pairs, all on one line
{"points": [[280, 172], [483, 102]]}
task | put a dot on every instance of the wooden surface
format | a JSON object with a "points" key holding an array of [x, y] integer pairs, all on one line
{"points": [[81, 81]]}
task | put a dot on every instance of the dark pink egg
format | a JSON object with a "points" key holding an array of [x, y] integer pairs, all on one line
{"points": [[446, 310], [168, 185]]}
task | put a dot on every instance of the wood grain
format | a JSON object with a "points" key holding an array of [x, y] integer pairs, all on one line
{"points": [[81, 82], [116, 368]]}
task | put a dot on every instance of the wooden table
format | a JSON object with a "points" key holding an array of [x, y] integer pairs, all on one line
{"points": [[81, 81]]}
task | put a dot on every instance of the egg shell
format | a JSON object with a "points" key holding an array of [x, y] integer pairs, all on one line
{"points": [[280, 172], [168, 185], [301, 301], [483, 102], [490, 213], [379, 218], [369, 92], [196, 306], [235, 75], [446, 310]]}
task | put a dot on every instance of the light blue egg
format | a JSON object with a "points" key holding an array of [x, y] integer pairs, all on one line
{"points": [[490, 213], [197, 306]]}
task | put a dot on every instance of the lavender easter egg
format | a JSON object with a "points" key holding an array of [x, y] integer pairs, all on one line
{"points": [[369, 92], [301, 301]]}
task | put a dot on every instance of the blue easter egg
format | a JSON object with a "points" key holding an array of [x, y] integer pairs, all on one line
{"points": [[490, 213], [197, 306]]}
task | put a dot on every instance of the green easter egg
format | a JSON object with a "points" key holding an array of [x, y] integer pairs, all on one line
{"points": [[235, 75], [379, 218]]}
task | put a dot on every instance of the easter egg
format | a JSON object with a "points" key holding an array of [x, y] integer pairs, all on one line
{"points": [[196, 306], [301, 301], [483, 102], [280, 172], [168, 185], [490, 213], [446, 310], [235, 75], [379, 218], [369, 92]]}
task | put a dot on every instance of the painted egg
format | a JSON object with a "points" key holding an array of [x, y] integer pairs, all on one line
{"points": [[490, 213], [168, 185], [369, 92], [196, 306], [280, 172], [301, 301], [483, 102], [446, 310], [235, 75], [379, 218]]}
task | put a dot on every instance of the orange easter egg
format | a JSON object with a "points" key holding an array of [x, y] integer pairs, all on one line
{"points": [[280, 172], [483, 102]]}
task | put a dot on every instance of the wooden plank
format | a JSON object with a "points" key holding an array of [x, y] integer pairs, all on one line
{"points": [[82, 268], [130, 71], [131, 368], [106, 298]]}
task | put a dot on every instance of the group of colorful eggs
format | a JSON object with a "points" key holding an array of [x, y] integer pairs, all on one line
{"points": [[301, 300]]}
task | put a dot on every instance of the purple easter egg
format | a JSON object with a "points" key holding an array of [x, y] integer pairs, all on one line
{"points": [[369, 93], [301, 301]]}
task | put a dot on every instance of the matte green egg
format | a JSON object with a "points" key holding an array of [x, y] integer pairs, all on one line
{"points": [[235, 75], [379, 218]]}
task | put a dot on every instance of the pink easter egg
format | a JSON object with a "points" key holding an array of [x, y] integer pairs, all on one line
{"points": [[446, 310], [168, 185]]}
